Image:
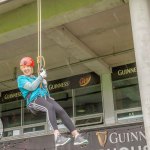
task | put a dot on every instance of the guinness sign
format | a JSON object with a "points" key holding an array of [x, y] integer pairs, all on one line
{"points": [[102, 137], [122, 138], [85, 81], [10, 96], [124, 71], [114, 138], [72, 82]]}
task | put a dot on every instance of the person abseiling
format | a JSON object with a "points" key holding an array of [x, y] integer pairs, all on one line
{"points": [[38, 99]]}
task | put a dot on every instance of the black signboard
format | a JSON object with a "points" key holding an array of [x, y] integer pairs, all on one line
{"points": [[124, 71], [72, 82], [12, 95], [131, 137]]}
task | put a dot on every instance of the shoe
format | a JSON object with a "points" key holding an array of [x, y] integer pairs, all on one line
{"points": [[80, 140], [61, 140]]}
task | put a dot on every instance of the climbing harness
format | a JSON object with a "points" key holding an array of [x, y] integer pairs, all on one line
{"points": [[40, 58]]}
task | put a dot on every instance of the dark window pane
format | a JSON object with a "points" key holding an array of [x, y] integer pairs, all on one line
{"points": [[11, 114], [65, 100], [126, 94], [33, 129], [129, 115], [88, 100]]}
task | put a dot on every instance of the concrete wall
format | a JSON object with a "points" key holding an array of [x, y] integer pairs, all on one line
{"points": [[27, 14]]}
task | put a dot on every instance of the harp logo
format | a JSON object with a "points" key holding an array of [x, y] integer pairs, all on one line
{"points": [[102, 137], [85, 80]]}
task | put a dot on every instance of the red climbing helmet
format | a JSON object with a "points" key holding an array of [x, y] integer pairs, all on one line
{"points": [[27, 61]]}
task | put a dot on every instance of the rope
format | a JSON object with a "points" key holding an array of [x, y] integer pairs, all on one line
{"points": [[40, 58]]}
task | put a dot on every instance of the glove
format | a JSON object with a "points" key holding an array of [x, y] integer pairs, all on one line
{"points": [[43, 73]]}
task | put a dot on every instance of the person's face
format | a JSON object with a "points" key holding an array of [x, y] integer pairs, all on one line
{"points": [[27, 70]]}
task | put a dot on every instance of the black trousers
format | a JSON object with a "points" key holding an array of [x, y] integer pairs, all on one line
{"points": [[51, 107]]}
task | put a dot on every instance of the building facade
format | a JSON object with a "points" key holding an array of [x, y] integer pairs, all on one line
{"points": [[97, 62]]}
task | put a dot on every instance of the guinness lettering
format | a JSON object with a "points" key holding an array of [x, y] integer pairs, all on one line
{"points": [[127, 71], [9, 96], [73, 82], [59, 85], [126, 137], [126, 148], [13, 95], [123, 138]]}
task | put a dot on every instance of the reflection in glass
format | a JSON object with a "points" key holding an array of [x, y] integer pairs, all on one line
{"points": [[33, 129], [11, 114], [126, 94], [65, 101], [88, 100], [130, 115]]}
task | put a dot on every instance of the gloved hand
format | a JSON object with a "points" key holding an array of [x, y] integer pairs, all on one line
{"points": [[43, 73]]}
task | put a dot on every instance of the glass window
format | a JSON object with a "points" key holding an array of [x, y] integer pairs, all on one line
{"points": [[33, 129], [126, 93], [65, 100], [88, 100], [11, 114]]}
